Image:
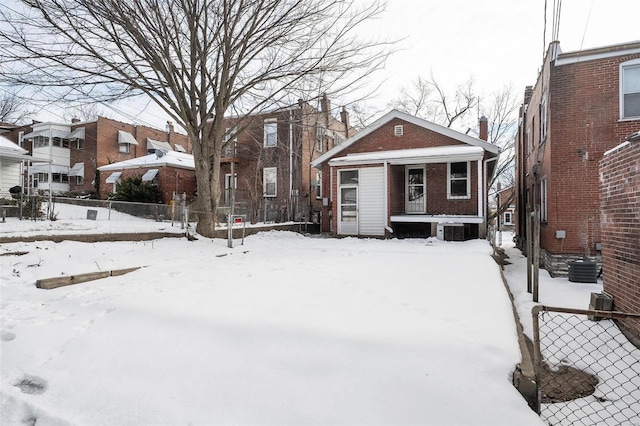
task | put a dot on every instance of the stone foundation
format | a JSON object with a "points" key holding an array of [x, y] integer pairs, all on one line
{"points": [[557, 264]]}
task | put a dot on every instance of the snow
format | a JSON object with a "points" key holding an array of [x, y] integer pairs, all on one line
{"points": [[285, 329], [168, 158]]}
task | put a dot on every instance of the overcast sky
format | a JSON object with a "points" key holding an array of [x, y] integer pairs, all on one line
{"points": [[497, 42]]}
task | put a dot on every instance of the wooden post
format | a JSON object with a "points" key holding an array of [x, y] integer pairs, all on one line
{"points": [[536, 252]]}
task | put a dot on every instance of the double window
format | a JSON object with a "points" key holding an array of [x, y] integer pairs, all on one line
{"points": [[458, 183], [630, 89]]}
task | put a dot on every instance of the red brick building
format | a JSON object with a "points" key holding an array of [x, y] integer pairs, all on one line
{"points": [[405, 176], [270, 154], [620, 211], [79, 148], [171, 171], [583, 104]]}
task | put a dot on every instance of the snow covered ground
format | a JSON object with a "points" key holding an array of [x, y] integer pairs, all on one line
{"points": [[285, 330]]}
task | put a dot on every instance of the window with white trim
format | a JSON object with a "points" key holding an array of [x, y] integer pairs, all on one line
{"points": [[270, 181], [320, 132], [271, 132], [21, 139], [318, 184], [508, 218], [630, 89], [543, 119], [230, 142], [458, 183], [543, 200], [124, 148]]}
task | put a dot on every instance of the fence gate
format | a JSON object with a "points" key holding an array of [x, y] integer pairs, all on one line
{"points": [[587, 371]]}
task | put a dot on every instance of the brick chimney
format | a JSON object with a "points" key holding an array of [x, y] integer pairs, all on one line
{"points": [[325, 106], [484, 128], [528, 92], [344, 117]]}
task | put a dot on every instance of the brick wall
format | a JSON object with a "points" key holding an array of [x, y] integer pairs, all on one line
{"points": [[583, 122], [620, 212]]}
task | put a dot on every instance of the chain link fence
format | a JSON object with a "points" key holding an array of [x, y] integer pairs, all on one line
{"points": [[587, 370]]}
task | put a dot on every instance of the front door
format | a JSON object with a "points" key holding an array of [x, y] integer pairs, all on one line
{"points": [[348, 208], [416, 201]]}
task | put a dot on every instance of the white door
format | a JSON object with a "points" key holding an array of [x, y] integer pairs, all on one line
{"points": [[372, 193], [348, 202]]}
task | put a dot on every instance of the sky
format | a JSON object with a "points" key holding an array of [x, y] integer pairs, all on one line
{"points": [[497, 42], [285, 329]]}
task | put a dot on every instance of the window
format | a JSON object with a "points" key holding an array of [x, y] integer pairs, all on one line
{"points": [[79, 143], [231, 141], [124, 148], [20, 139], [79, 180], [398, 130], [507, 218], [528, 140], [270, 181], [270, 132], [348, 177], [630, 89], [43, 177], [125, 139], [543, 200], [543, 119], [320, 138], [318, 184], [458, 184], [415, 190], [150, 176]]}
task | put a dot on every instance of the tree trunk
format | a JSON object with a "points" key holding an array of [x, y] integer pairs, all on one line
{"points": [[207, 164]]}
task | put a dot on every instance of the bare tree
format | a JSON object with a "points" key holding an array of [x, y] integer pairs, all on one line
{"points": [[199, 60], [426, 98], [13, 109]]}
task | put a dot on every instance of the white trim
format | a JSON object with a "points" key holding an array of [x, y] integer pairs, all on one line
{"points": [[481, 193], [468, 178], [438, 154], [444, 219], [568, 58], [266, 170], [621, 67], [422, 167], [395, 114]]}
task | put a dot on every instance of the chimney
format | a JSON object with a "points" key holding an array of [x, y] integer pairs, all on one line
{"points": [[528, 91], [75, 120], [325, 107], [484, 128], [344, 117], [169, 127]]}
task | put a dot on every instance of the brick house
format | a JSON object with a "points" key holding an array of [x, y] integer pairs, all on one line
{"points": [[405, 176], [270, 155], [77, 149], [171, 171], [583, 104], [506, 208], [620, 211]]}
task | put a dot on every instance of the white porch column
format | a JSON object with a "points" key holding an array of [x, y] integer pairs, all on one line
{"points": [[480, 191]]}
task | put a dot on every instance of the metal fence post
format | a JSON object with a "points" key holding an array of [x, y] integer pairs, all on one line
{"points": [[535, 312]]}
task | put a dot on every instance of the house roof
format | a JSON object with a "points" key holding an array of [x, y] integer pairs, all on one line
{"points": [[170, 158], [11, 151], [436, 154], [393, 114]]}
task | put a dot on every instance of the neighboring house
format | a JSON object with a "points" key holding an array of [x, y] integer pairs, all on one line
{"points": [[12, 159], [75, 150], [620, 205], [405, 176], [270, 155], [583, 104], [172, 172], [506, 208]]}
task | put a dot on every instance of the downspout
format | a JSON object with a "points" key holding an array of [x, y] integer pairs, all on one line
{"points": [[486, 189], [290, 163], [386, 197]]}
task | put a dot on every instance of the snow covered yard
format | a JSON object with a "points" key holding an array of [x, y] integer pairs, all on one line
{"points": [[284, 330]]}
